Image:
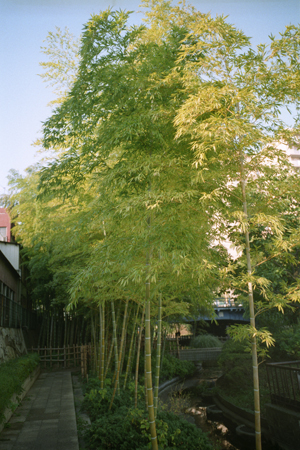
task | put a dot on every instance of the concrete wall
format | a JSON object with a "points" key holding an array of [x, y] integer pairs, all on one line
{"points": [[12, 253], [199, 354], [12, 344]]}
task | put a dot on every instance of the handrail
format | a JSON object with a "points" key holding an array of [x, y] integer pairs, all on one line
{"points": [[284, 383]]}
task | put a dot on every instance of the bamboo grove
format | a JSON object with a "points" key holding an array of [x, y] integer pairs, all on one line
{"points": [[161, 147]]}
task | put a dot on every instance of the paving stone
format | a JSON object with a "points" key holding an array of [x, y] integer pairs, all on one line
{"points": [[46, 419]]}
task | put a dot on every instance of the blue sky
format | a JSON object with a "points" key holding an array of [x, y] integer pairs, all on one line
{"points": [[24, 24]]}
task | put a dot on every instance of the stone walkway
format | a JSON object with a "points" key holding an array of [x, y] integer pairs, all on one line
{"points": [[46, 418]]}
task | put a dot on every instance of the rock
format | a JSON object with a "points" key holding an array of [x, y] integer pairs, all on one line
{"points": [[10, 353]]}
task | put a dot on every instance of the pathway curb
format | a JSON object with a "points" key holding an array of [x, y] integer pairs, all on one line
{"points": [[17, 399]]}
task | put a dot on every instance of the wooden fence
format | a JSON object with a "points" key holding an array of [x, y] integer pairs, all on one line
{"points": [[65, 357]]}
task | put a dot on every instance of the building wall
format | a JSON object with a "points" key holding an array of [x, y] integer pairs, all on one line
{"points": [[12, 252], [9, 276], [5, 223]]}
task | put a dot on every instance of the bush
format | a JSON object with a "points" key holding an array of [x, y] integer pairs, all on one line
{"points": [[13, 373], [128, 429], [97, 401], [174, 367], [205, 341], [287, 343], [236, 363], [171, 367], [236, 384]]}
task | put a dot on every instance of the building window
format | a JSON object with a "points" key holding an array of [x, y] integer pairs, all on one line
{"points": [[3, 234], [6, 291]]}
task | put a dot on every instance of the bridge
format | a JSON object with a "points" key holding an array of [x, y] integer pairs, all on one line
{"points": [[228, 312]]}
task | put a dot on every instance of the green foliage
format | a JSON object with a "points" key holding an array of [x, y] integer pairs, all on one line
{"points": [[178, 401], [126, 428], [97, 400], [205, 341], [235, 362], [62, 51], [12, 375], [236, 384], [287, 343], [162, 130], [174, 367]]}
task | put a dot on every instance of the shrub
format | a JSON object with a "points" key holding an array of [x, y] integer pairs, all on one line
{"points": [[96, 400], [128, 429], [287, 343], [205, 341], [171, 367], [174, 367], [13, 373], [235, 362]]}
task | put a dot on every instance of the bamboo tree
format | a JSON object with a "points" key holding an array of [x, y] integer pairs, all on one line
{"points": [[133, 338], [120, 354], [123, 349], [115, 342], [252, 323], [196, 70], [164, 348], [158, 354], [138, 358], [102, 309], [109, 357], [148, 369]]}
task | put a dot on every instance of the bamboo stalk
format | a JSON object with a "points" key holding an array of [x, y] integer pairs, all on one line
{"points": [[252, 323], [163, 349], [115, 342], [138, 359], [158, 354], [130, 348], [149, 371], [120, 355], [111, 347], [125, 337], [102, 309]]}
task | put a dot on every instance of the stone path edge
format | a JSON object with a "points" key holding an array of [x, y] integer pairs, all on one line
{"points": [[17, 399]]}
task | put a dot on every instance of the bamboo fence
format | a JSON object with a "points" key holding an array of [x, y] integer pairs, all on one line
{"points": [[65, 357]]}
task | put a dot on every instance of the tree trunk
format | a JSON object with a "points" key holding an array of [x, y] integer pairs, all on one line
{"points": [[120, 355], [163, 349], [148, 362], [131, 347], [102, 309], [252, 323], [158, 354], [138, 359], [115, 341]]}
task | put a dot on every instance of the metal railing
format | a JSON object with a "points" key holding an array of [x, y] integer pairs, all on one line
{"points": [[284, 383], [227, 302], [13, 315]]}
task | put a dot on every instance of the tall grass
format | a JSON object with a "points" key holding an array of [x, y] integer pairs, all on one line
{"points": [[13, 373]]}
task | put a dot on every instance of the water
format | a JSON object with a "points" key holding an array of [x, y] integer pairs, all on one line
{"points": [[188, 401], [221, 431]]}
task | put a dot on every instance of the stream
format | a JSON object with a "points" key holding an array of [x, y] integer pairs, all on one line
{"points": [[187, 401]]}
